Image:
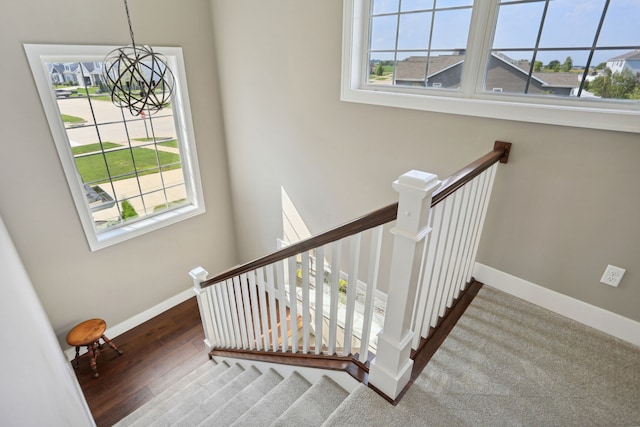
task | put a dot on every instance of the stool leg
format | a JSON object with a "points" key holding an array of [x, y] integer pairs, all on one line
{"points": [[92, 355], [77, 357], [112, 345]]}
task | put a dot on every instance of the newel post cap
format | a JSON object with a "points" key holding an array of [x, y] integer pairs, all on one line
{"points": [[417, 181], [198, 275]]}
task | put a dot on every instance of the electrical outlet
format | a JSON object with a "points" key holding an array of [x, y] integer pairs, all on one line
{"points": [[612, 275]]}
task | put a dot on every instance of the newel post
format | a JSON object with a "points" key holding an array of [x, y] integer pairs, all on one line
{"points": [[199, 275], [390, 371]]}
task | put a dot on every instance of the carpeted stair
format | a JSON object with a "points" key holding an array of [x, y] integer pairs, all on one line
{"points": [[219, 394], [506, 363]]}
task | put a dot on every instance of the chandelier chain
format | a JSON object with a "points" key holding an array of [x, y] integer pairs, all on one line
{"points": [[126, 8]]}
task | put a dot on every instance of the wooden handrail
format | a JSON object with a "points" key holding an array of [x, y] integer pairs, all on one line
{"points": [[449, 185]]}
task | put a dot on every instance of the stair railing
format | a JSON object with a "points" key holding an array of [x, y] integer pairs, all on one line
{"points": [[312, 298]]}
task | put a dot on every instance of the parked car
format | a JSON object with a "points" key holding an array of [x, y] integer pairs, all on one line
{"points": [[62, 93]]}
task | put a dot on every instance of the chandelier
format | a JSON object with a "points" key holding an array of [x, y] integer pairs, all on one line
{"points": [[138, 78]]}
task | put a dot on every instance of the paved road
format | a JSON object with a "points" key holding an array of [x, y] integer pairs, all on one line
{"points": [[109, 119]]}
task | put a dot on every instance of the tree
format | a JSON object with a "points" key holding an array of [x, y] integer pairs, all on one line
{"points": [[379, 69], [103, 87], [537, 66], [618, 85], [553, 65], [567, 65], [128, 211]]}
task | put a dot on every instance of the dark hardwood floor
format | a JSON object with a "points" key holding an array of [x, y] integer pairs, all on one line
{"points": [[155, 355]]}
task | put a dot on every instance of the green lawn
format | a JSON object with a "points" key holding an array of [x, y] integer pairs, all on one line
{"points": [[82, 91], [71, 119], [89, 148], [92, 167], [170, 143], [101, 98], [173, 143]]}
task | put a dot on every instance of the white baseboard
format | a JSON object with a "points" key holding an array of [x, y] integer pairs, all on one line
{"points": [[138, 319], [606, 321]]}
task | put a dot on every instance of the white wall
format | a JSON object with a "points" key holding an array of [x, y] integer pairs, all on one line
{"points": [[564, 207], [118, 282], [38, 386]]}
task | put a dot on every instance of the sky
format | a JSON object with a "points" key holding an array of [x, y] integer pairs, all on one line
{"points": [[568, 24]]}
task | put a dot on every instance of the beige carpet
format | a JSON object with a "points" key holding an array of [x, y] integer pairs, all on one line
{"points": [[506, 363], [510, 363]]}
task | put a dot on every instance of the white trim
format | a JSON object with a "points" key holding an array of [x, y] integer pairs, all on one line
{"points": [[468, 101], [138, 319], [605, 321]]}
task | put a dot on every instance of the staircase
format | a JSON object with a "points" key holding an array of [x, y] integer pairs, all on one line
{"points": [[330, 282], [222, 394], [506, 363]]}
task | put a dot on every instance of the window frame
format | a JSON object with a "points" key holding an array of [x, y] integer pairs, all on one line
{"points": [[470, 99], [40, 54]]}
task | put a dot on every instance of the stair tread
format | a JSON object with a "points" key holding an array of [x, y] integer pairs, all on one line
{"points": [[275, 402], [244, 400], [188, 396], [193, 396], [202, 374], [229, 395], [206, 405], [353, 412], [314, 406]]}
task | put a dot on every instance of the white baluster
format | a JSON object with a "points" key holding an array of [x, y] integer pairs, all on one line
{"points": [[247, 303], [439, 274], [272, 306], [391, 369], [452, 249], [352, 288], [464, 239], [233, 311], [420, 305], [336, 254], [282, 305], [225, 326], [293, 303], [475, 221], [319, 310], [491, 172], [372, 283], [213, 310], [305, 302], [224, 301], [242, 323], [255, 308], [430, 276], [264, 310]]}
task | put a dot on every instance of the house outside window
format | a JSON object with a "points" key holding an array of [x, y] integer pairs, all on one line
{"points": [[497, 58], [128, 174]]}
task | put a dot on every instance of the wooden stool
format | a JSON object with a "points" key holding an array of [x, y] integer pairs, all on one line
{"points": [[88, 333]]}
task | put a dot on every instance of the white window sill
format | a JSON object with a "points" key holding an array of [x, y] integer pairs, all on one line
{"points": [[120, 234], [499, 107]]}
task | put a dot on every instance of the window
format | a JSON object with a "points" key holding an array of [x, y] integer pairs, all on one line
{"points": [[566, 62], [128, 174]]}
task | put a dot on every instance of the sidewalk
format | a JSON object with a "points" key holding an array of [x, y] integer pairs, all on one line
{"points": [[149, 184]]}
